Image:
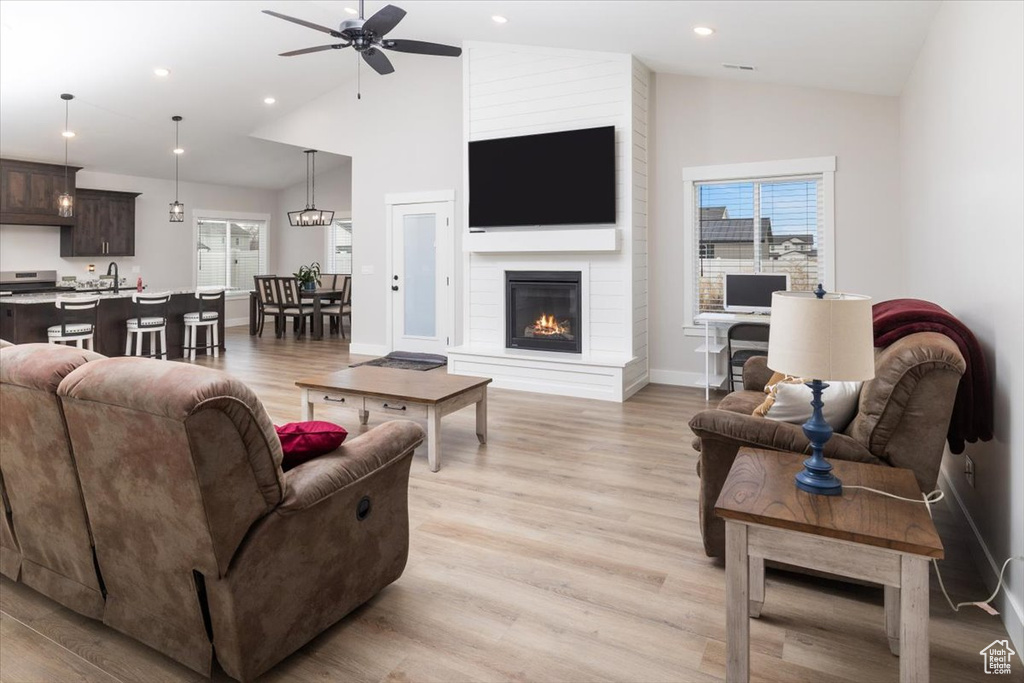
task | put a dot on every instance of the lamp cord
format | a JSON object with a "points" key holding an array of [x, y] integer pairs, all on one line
{"points": [[929, 499], [313, 205]]}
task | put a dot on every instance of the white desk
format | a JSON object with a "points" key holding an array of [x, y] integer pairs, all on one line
{"points": [[709, 320]]}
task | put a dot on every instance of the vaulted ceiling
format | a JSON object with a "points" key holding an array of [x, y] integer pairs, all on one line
{"points": [[223, 62]]}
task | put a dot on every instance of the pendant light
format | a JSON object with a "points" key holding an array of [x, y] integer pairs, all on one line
{"points": [[177, 208], [66, 202], [310, 216]]}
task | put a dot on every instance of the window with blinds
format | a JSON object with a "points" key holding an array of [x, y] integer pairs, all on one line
{"points": [[757, 226], [339, 247], [230, 252]]}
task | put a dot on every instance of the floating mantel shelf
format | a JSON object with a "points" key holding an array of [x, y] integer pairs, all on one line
{"points": [[536, 240]]}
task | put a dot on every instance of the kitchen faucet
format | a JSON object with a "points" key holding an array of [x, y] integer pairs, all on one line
{"points": [[117, 278]]}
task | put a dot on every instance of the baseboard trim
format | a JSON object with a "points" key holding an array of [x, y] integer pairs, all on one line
{"points": [[368, 349], [677, 378], [236, 322], [1006, 602]]}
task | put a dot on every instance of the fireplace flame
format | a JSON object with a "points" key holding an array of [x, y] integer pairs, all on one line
{"points": [[546, 326]]}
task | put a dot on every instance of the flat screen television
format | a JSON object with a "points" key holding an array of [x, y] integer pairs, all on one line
{"points": [[752, 293], [565, 178]]}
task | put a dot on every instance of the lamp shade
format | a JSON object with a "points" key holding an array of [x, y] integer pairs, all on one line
{"points": [[828, 339]]}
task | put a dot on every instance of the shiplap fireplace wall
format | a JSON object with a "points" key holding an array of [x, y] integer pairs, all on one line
{"points": [[512, 90]]}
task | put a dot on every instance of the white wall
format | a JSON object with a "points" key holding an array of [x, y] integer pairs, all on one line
{"points": [[962, 154], [701, 121], [293, 247], [404, 135], [163, 250]]}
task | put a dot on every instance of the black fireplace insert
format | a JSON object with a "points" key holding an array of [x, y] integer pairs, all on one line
{"points": [[543, 310]]}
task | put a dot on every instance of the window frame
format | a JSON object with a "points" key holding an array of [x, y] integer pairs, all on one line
{"points": [[199, 214], [329, 244], [747, 172]]}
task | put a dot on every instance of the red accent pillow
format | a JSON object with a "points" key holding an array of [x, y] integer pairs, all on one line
{"points": [[302, 441]]}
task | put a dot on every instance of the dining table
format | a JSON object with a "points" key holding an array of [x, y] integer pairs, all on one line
{"points": [[317, 296]]}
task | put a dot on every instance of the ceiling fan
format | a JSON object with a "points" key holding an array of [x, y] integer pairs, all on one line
{"points": [[366, 36]]}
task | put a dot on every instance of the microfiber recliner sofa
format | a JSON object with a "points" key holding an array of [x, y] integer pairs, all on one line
{"points": [[204, 546], [902, 419]]}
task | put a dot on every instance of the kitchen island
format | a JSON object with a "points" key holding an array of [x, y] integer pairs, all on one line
{"points": [[25, 317]]}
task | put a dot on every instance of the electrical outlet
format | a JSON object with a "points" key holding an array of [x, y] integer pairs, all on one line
{"points": [[969, 470]]}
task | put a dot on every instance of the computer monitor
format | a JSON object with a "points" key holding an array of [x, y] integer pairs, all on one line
{"points": [[752, 293]]}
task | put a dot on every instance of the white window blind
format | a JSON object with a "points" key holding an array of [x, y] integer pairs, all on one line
{"points": [[230, 252], [757, 226], [339, 247]]}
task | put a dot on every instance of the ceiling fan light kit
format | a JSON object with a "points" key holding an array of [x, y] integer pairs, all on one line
{"points": [[66, 202], [310, 216], [177, 212], [366, 37]]}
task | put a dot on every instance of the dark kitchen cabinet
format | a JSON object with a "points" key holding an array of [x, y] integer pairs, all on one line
{"points": [[29, 192], [105, 225]]}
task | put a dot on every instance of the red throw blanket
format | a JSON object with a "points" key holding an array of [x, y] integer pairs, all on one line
{"points": [[972, 411]]}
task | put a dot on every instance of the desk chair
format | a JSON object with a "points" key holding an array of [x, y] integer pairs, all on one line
{"points": [[745, 340]]}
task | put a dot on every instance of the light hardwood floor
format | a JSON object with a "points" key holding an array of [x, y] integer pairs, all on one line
{"points": [[566, 549]]}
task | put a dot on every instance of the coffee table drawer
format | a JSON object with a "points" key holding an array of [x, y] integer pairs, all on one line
{"points": [[396, 408], [335, 398]]}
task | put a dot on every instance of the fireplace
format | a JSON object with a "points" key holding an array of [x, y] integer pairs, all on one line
{"points": [[543, 310]]}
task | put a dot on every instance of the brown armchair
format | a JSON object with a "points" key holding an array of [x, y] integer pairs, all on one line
{"points": [[44, 538], [203, 542], [901, 421]]}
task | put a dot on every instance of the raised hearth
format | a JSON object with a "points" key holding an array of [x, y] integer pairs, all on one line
{"points": [[543, 310]]}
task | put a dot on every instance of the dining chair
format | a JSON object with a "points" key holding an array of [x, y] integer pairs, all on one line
{"points": [[338, 309], [266, 300], [289, 301]]}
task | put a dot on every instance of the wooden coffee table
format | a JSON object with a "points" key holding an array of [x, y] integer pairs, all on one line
{"points": [[408, 394], [860, 534]]}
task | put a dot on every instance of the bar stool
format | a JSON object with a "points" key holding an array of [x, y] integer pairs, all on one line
{"points": [[78, 315], [150, 317], [203, 318]]}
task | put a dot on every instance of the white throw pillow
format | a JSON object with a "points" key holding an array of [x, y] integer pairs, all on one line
{"points": [[793, 403]]}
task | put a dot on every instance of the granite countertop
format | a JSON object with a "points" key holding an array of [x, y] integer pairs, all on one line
{"points": [[52, 298]]}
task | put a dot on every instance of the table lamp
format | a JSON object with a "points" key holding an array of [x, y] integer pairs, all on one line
{"points": [[821, 336]]}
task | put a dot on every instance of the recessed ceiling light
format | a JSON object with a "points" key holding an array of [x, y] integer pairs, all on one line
{"points": [[68, 133], [178, 150], [498, 19], [269, 100], [162, 72], [703, 30], [351, 11]]}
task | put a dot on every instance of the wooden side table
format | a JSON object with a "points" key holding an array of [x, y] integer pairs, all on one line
{"points": [[860, 534]]}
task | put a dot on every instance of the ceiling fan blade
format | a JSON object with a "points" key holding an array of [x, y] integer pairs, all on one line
{"points": [[386, 18], [420, 47], [378, 61], [307, 50], [303, 22]]}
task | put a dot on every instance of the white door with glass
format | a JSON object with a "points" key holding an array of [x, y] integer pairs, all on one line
{"points": [[421, 237]]}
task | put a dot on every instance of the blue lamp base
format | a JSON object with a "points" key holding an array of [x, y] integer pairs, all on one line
{"points": [[817, 476]]}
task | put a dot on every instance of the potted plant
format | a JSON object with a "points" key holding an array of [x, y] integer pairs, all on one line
{"points": [[308, 276]]}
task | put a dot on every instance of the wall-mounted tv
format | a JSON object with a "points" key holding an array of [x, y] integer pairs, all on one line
{"points": [[565, 178]]}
